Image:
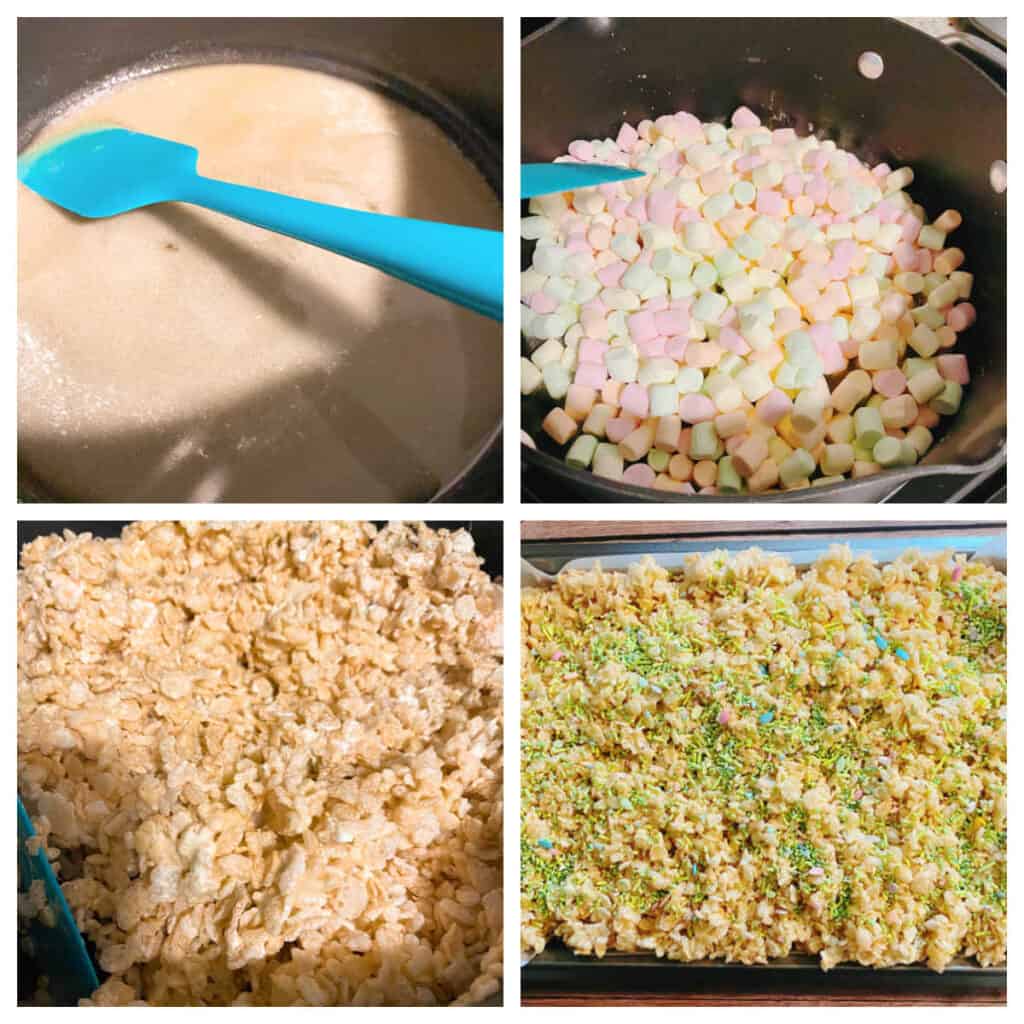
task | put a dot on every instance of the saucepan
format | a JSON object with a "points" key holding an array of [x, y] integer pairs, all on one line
{"points": [[448, 69], [930, 109]]}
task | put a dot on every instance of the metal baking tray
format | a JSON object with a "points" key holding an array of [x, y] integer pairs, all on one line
{"points": [[558, 969]]}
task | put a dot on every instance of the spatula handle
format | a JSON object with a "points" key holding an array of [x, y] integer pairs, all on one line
{"points": [[463, 265]]}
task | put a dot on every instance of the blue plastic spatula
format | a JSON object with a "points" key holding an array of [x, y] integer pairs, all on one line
{"points": [[57, 944], [110, 171], [543, 179]]}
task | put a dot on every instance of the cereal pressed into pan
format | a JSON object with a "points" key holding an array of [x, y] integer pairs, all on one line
{"points": [[744, 759], [265, 759]]}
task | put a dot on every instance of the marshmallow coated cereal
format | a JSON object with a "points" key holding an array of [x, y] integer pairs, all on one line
{"points": [[265, 759], [742, 759], [751, 292]]}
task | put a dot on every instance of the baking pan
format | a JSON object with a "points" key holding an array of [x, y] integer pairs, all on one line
{"points": [[583, 77], [558, 969], [412, 60]]}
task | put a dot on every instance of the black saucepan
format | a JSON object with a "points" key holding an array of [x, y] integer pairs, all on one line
{"points": [[931, 109], [448, 69]]}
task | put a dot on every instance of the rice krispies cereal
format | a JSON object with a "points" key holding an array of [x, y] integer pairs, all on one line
{"points": [[743, 759], [266, 759]]}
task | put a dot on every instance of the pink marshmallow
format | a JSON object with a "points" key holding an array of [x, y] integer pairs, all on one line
{"points": [[905, 255], [639, 475], [634, 400], [626, 138], [610, 392], [581, 150], [911, 227], [692, 126], [541, 302], [747, 163], [831, 355], [675, 348], [653, 348], [661, 207], [672, 321], [610, 275], [890, 383], [887, 212], [592, 351], [641, 326], [732, 340], [591, 375], [656, 305], [696, 408], [792, 185], [769, 202], [773, 407], [618, 428], [703, 354], [961, 316], [744, 117], [954, 367], [816, 160], [924, 261], [787, 320], [817, 189], [638, 209]]}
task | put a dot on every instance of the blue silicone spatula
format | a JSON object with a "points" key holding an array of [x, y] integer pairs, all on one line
{"points": [[110, 171], [57, 944], [543, 179]]}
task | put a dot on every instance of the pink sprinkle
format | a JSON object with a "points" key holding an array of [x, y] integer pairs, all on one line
{"points": [[557, 655], [816, 872], [639, 475], [958, 571], [723, 716]]}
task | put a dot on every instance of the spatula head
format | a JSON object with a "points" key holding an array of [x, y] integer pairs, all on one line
{"points": [[109, 171]]}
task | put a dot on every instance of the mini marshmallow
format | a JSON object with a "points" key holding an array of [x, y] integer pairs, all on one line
{"points": [[579, 400], [899, 412], [581, 453], [924, 387], [868, 427], [798, 466], [559, 425], [607, 462], [637, 444]]}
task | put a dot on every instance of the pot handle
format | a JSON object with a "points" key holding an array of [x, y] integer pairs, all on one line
{"points": [[977, 46]]}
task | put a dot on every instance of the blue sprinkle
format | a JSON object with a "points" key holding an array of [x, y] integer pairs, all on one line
{"points": [[545, 843], [840, 654], [901, 654], [881, 642], [763, 669], [694, 866], [766, 717]]}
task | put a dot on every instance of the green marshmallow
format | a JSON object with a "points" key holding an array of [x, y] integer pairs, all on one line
{"points": [[581, 453], [703, 441], [867, 425], [729, 481], [947, 401], [658, 460], [887, 451]]}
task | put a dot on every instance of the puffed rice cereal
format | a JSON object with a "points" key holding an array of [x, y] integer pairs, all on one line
{"points": [[265, 759], [743, 760]]}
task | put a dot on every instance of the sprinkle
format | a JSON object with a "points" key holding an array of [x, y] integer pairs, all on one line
{"points": [[881, 643], [766, 717], [816, 872], [545, 843], [558, 656], [723, 716], [763, 670], [901, 654], [840, 654], [958, 571]]}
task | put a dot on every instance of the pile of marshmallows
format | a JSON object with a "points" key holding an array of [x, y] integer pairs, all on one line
{"points": [[759, 311]]}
